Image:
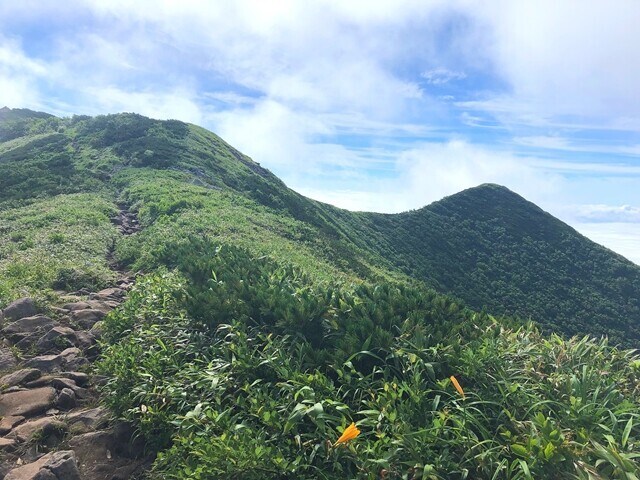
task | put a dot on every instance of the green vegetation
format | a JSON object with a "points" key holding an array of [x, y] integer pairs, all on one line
{"points": [[493, 249], [266, 322], [240, 367], [55, 243]]}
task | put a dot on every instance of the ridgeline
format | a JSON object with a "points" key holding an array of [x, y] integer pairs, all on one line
{"points": [[263, 323]]}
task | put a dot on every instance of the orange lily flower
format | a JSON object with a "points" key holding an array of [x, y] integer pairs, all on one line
{"points": [[454, 380], [349, 433]]}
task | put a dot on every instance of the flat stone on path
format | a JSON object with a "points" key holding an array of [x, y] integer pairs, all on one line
{"points": [[84, 421], [87, 318], [53, 466], [7, 423], [27, 326], [46, 363], [6, 443], [27, 402], [20, 377], [27, 430], [72, 307]]}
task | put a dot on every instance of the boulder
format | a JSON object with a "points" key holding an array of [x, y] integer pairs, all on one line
{"points": [[113, 293], [27, 402], [103, 305], [72, 307], [42, 426], [46, 363], [24, 307], [7, 444], [63, 466], [85, 319], [73, 358], [28, 327], [8, 423], [57, 339], [20, 377], [8, 360], [52, 466], [66, 399], [85, 339], [43, 381], [85, 421], [80, 378]]}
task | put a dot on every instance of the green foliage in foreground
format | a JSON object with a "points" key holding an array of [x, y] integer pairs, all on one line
{"points": [[240, 367]]}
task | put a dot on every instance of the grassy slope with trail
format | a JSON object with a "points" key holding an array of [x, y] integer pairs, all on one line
{"points": [[268, 321]]}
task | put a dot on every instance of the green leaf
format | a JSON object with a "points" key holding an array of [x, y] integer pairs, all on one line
{"points": [[549, 450], [520, 449], [627, 431]]}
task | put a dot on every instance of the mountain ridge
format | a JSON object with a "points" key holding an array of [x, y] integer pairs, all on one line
{"points": [[261, 324], [487, 245]]}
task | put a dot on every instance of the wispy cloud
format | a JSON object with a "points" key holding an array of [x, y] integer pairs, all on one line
{"points": [[368, 105], [441, 75]]}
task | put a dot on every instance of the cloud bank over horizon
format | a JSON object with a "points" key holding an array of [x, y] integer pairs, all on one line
{"points": [[382, 106]]}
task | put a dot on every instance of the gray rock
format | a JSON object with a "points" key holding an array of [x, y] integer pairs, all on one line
{"points": [[66, 399], [73, 358], [87, 318], [87, 420], [8, 360], [52, 466], [8, 423], [85, 339], [63, 466], [20, 377], [7, 444], [113, 293], [43, 381], [24, 307], [27, 402], [28, 327], [62, 382], [80, 378], [103, 305], [46, 363], [57, 339], [42, 426], [72, 307]]}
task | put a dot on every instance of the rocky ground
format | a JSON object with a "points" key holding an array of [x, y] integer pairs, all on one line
{"points": [[51, 424]]}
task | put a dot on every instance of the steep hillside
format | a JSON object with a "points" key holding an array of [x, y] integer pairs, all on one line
{"points": [[492, 248], [487, 246]]}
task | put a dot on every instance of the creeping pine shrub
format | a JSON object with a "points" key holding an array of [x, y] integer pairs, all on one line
{"points": [[252, 395]]}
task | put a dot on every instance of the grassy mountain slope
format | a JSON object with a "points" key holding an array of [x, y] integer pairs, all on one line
{"points": [[266, 322], [487, 246], [492, 248]]}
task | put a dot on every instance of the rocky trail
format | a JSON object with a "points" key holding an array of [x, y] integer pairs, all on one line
{"points": [[51, 424]]}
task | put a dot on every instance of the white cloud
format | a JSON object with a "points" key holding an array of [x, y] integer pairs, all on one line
{"points": [[441, 75], [605, 213], [175, 104], [622, 238], [567, 58], [19, 75], [433, 170]]}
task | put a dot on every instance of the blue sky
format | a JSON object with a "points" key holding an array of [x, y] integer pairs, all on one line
{"points": [[369, 105]]}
